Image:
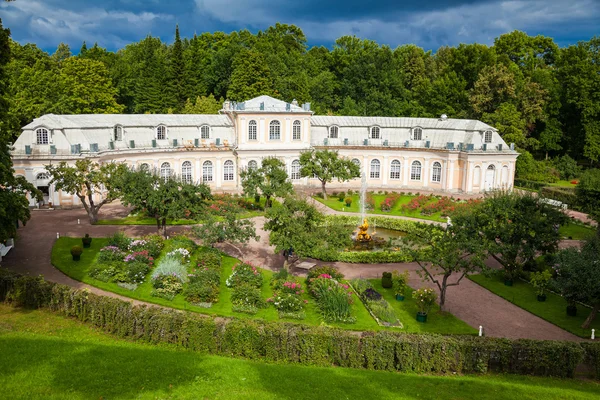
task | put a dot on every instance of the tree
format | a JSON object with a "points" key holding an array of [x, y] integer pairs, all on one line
{"points": [[251, 77], [203, 105], [588, 193], [326, 165], [441, 253], [87, 180], [222, 224], [514, 228], [271, 179], [578, 276], [177, 70], [163, 198]]}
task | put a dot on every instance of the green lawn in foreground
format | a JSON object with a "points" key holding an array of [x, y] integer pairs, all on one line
{"points": [[48, 356], [407, 311], [334, 203], [552, 310], [576, 231]]}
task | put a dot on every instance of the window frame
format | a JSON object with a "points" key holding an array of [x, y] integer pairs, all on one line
{"points": [[44, 176], [275, 130], [45, 132], [487, 136], [416, 170], [207, 171], [205, 129], [295, 170], [372, 129], [297, 130], [396, 175], [436, 172], [414, 133], [187, 171], [164, 169], [252, 130], [228, 171], [375, 169], [331, 129], [118, 133], [163, 129]]}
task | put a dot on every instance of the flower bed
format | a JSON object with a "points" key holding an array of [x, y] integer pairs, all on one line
{"points": [[379, 308], [204, 279], [245, 282], [334, 298], [287, 295]]}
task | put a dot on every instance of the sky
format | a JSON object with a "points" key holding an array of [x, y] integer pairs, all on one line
{"points": [[426, 23]]}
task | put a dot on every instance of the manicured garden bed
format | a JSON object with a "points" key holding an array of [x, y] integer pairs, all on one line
{"points": [[52, 357], [552, 310]]}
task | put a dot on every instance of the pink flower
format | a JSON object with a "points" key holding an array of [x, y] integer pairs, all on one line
{"points": [[305, 301]]}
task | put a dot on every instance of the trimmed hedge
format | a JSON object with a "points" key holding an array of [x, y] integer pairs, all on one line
{"points": [[291, 343], [565, 195], [396, 224], [535, 185]]}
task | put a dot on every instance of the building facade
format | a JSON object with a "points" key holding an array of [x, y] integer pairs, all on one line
{"points": [[418, 154]]}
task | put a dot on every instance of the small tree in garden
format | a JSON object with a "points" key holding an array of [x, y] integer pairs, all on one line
{"points": [[578, 276], [442, 253], [86, 179], [326, 165], [222, 224], [270, 180], [425, 299], [162, 198], [514, 228]]}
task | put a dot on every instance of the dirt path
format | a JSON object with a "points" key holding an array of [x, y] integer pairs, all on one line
{"points": [[468, 301]]}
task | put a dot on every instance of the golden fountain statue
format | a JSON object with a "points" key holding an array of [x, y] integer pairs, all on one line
{"points": [[362, 235]]}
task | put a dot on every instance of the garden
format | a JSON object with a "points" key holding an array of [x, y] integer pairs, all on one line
{"points": [[178, 273]]}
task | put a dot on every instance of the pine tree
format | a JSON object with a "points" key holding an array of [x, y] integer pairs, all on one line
{"points": [[177, 72], [251, 77]]}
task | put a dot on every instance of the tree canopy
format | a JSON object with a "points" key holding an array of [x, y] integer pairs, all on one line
{"points": [[327, 165], [271, 179]]}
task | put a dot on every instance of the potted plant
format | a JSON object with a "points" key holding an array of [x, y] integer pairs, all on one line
{"points": [[87, 241], [425, 299], [399, 283], [348, 201], [386, 280], [572, 310], [540, 281], [76, 252]]}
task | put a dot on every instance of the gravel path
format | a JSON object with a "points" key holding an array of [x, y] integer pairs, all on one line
{"points": [[468, 301]]}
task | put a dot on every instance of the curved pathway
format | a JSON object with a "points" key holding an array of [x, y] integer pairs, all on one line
{"points": [[468, 301]]}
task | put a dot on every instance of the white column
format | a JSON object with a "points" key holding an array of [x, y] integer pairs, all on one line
{"points": [[469, 174], [405, 168], [243, 131], [444, 174], [306, 131], [217, 173], [425, 173], [261, 136], [450, 180], [198, 174], [288, 130], [385, 170]]}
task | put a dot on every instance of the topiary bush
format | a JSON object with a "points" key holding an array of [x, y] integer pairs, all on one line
{"points": [[386, 280]]}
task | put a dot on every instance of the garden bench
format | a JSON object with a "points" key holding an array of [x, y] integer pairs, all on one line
{"points": [[305, 265]]}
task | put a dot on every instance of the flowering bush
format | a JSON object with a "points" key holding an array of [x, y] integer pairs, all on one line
{"points": [[181, 241], [136, 272], [324, 270], [287, 303], [166, 286], [416, 203], [333, 298], [437, 206], [245, 274], [137, 245], [201, 292], [154, 244], [247, 299], [181, 253], [370, 201], [120, 240], [109, 254], [141, 256], [400, 282], [425, 299], [389, 202]]}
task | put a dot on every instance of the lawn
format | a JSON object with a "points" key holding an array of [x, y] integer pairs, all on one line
{"points": [[48, 356], [566, 184], [552, 310], [61, 259], [334, 203], [576, 231]]}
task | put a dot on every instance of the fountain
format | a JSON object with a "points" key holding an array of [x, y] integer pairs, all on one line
{"points": [[362, 236]]}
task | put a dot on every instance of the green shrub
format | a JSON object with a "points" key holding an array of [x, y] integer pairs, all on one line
{"points": [[201, 292], [360, 285], [245, 274], [425, 299], [153, 243], [170, 266], [527, 184], [567, 167], [76, 250], [247, 299], [386, 280], [181, 242], [382, 310], [348, 201], [120, 240], [333, 298], [135, 272], [400, 282], [110, 272], [109, 254], [323, 270], [564, 195], [166, 286]]}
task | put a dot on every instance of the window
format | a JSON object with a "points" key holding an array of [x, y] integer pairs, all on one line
{"points": [[417, 134], [274, 130], [333, 132], [228, 170], [42, 176], [296, 133], [375, 132], [118, 133], [186, 172], [252, 130], [415, 171], [436, 173], [161, 132], [42, 136], [145, 167], [356, 161], [375, 169], [295, 170], [487, 137], [205, 132], [395, 170], [207, 171], [252, 165], [165, 170]]}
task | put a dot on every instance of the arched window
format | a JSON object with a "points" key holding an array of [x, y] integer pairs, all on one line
{"points": [[333, 132], [165, 170], [395, 170], [205, 132], [186, 172], [228, 170], [42, 176], [436, 172], [207, 171], [252, 165], [487, 137], [356, 162], [118, 133], [415, 171], [296, 130], [161, 132], [275, 130], [295, 170], [417, 134], [41, 136], [375, 169], [375, 133], [252, 130], [145, 167]]}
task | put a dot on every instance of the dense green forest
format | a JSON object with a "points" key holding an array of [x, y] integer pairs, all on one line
{"points": [[543, 98]]}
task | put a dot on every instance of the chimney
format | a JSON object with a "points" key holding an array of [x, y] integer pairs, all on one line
{"points": [[295, 102]]}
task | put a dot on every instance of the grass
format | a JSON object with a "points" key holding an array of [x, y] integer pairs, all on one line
{"points": [[334, 203], [48, 356], [61, 259], [566, 184], [552, 310], [576, 231], [437, 322]]}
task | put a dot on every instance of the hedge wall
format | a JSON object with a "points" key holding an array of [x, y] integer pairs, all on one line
{"points": [[565, 195], [292, 343], [535, 185]]}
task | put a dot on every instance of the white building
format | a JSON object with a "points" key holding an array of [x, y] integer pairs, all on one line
{"points": [[418, 154]]}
